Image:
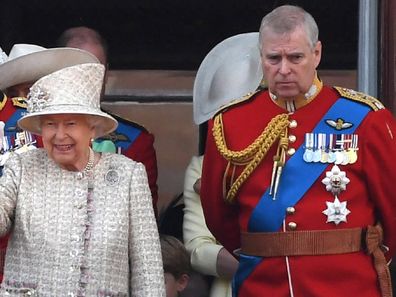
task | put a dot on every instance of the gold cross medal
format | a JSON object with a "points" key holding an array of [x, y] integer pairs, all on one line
{"points": [[335, 182]]}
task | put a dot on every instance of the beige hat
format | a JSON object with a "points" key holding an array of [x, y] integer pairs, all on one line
{"points": [[74, 89], [29, 62], [229, 71]]}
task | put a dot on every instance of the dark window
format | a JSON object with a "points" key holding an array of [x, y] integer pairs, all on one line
{"points": [[172, 34]]}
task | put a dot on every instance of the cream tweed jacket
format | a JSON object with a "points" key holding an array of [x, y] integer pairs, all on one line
{"points": [[68, 240]]}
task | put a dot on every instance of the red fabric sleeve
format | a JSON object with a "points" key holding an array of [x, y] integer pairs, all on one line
{"points": [[379, 141], [221, 217], [142, 150]]}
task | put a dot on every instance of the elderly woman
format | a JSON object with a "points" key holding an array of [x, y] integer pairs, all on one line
{"points": [[82, 222]]}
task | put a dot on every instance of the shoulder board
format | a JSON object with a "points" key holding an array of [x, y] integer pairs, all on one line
{"points": [[3, 100], [127, 122], [374, 103], [19, 102], [237, 101]]}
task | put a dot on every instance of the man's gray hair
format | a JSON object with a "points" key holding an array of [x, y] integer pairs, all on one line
{"points": [[286, 18]]}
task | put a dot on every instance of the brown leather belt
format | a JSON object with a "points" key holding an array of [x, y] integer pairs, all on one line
{"points": [[322, 242], [298, 243]]}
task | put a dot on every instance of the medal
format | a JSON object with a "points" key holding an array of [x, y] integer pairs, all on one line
{"points": [[325, 157], [347, 146], [112, 177], [335, 182], [339, 147], [352, 152], [336, 211], [345, 157], [308, 153], [322, 145], [316, 151], [317, 156], [339, 157], [331, 157]]}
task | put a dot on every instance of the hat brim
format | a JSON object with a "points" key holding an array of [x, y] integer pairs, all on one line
{"points": [[104, 123], [33, 66], [229, 71]]}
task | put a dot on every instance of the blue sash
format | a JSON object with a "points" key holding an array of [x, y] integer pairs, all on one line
{"points": [[297, 178], [12, 122], [128, 130]]}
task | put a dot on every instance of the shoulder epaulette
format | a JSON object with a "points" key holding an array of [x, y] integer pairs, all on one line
{"points": [[374, 103], [3, 100], [237, 101], [19, 102]]}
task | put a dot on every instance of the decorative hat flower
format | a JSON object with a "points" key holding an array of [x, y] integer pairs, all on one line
{"points": [[37, 99]]}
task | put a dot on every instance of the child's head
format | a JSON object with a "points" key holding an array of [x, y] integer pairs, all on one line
{"points": [[176, 263]]}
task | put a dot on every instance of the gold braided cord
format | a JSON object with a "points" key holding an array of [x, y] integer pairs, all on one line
{"points": [[253, 154], [245, 155]]}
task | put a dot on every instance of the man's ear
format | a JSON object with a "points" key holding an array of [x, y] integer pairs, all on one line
{"points": [[318, 53], [182, 282]]}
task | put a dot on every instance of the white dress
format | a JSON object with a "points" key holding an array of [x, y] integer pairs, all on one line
{"points": [[74, 235]]}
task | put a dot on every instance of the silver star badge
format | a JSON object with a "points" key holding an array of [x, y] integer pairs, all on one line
{"points": [[336, 211], [335, 180]]}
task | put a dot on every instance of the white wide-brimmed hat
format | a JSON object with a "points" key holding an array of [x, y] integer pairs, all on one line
{"points": [[29, 62], [71, 90], [229, 71]]}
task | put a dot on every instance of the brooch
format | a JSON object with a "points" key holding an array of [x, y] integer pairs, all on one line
{"points": [[112, 177]]}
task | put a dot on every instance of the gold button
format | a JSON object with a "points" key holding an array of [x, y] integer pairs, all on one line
{"points": [[290, 210], [292, 138], [293, 124], [291, 151], [292, 226]]}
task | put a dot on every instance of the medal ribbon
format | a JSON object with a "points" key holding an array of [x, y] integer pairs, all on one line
{"points": [[269, 214]]}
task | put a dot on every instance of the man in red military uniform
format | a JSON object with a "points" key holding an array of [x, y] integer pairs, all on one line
{"points": [[25, 64], [130, 138], [299, 177]]}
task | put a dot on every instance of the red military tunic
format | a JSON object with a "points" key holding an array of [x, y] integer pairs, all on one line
{"points": [[142, 150], [370, 198]]}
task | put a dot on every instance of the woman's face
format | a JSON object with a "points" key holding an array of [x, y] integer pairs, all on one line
{"points": [[66, 138]]}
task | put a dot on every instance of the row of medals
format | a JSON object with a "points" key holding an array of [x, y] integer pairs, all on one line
{"points": [[340, 149]]}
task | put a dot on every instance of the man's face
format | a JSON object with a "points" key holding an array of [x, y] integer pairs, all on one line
{"points": [[289, 62], [20, 90]]}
